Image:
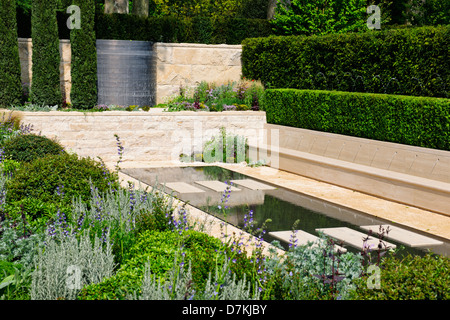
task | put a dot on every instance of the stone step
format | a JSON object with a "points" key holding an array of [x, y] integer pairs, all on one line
{"points": [[216, 185], [183, 187], [302, 237], [354, 238], [252, 184], [406, 237]]}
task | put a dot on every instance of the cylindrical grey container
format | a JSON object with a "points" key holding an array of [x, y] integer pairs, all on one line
{"points": [[126, 73]]}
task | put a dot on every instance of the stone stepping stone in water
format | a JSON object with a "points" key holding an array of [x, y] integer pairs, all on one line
{"points": [[302, 237], [183, 187], [252, 184], [354, 238], [216, 185], [406, 237]]}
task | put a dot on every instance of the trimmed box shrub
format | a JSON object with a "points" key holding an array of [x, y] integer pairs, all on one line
{"points": [[43, 177], [410, 61], [83, 94], [10, 81], [417, 121], [45, 87], [29, 147]]}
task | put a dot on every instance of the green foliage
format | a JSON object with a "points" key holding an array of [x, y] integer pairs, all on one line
{"points": [[158, 249], [44, 177], [83, 94], [312, 271], [319, 17], [28, 147], [45, 87], [36, 212], [170, 29], [403, 61], [158, 218], [18, 242], [198, 8], [418, 121], [10, 78], [254, 9], [8, 167], [409, 278], [429, 12]]}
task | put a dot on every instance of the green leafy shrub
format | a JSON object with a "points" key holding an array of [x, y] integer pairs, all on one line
{"points": [[411, 61], [19, 243], [159, 249], [324, 17], [409, 278], [417, 121], [225, 147], [45, 88], [10, 83], [158, 218], [15, 281], [8, 167], [430, 12], [44, 178], [28, 147], [83, 94]]}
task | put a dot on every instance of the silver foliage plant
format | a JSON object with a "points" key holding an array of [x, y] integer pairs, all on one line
{"points": [[115, 209], [67, 264], [179, 286]]}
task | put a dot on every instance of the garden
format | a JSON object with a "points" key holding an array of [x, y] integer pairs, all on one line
{"points": [[71, 229]]}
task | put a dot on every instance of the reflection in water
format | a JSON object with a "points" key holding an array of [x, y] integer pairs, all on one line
{"points": [[283, 207]]}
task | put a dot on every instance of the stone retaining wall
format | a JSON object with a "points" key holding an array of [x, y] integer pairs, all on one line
{"points": [[187, 64], [146, 136]]}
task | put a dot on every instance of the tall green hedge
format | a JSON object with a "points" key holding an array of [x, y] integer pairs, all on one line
{"points": [[412, 61], [172, 29], [10, 83], [45, 87], [83, 94], [417, 121]]}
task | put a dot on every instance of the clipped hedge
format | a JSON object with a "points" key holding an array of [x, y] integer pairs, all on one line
{"points": [[159, 248], [83, 94], [417, 121], [10, 83], [28, 147], [45, 87], [68, 173], [409, 278], [411, 61], [172, 29]]}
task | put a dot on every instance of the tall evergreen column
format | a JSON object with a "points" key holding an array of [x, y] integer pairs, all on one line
{"points": [[45, 83], [10, 81], [83, 94]]}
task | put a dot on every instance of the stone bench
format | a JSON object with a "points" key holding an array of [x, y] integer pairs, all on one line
{"points": [[414, 176]]}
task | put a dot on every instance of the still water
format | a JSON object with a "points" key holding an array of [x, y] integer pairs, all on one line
{"points": [[280, 206]]}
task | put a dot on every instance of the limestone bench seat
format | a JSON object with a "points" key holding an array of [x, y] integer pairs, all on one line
{"points": [[421, 188]]}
